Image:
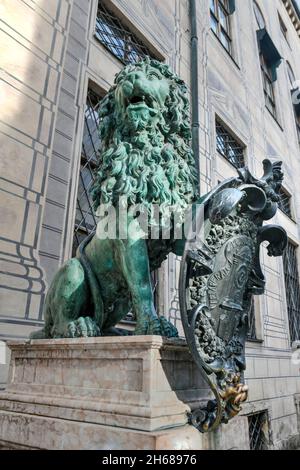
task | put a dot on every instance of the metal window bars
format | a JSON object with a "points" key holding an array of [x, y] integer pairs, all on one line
{"points": [[291, 276], [284, 203], [229, 147], [251, 334], [258, 431], [117, 38], [298, 128], [85, 221]]}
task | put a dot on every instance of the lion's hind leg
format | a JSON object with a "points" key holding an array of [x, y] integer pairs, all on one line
{"points": [[67, 302]]}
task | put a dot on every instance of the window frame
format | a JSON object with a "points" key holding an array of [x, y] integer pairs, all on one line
{"points": [[283, 27], [135, 46], [259, 16], [292, 281], [283, 193], [268, 87], [80, 228], [222, 5], [258, 423], [238, 161], [292, 80]]}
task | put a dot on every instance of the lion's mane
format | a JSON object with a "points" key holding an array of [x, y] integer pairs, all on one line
{"points": [[160, 172]]}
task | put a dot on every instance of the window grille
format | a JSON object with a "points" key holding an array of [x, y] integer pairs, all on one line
{"points": [[258, 431], [117, 38], [291, 276], [251, 334], [229, 147], [85, 221], [220, 22], [268, 86], [285, 202], [298, 127]]}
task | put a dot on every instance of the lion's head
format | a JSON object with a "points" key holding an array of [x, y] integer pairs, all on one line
{"points": [[145, 132]]}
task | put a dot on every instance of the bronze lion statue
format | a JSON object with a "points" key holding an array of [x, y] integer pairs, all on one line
{"points": [[145, 159]]}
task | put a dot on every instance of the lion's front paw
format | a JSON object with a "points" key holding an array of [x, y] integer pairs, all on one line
{"points": [[82, 327], [156, 326]]}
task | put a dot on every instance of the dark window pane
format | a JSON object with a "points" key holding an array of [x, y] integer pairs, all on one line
{"points": [[291, 276], [229, 147], [268, 86], [220, 22], [258, 431], [223, 18], [282, 26], [225, 41], [214, 24], [259, 16], [298, 131], [85, 221], [285, 203]]}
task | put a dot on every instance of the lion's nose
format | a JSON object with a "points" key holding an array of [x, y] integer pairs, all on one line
{"points": [[134, 76]]}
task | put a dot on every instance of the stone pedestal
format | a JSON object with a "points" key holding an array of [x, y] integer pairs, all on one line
{"points": [[101, 393]]}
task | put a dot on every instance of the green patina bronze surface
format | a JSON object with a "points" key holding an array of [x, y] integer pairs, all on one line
{"points": [[145, 158]]}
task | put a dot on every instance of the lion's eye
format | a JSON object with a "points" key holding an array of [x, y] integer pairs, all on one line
{"points": [[153, 75]]}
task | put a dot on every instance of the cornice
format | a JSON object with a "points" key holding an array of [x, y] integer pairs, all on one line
{"points": [[293, 14]]}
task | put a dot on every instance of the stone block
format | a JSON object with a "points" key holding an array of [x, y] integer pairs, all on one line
{"points": [[101, 393]]}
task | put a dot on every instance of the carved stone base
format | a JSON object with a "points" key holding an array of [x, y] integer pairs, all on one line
{"points": [[101, 393]]}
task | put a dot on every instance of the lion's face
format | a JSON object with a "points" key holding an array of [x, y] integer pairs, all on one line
{"points": [[140, 97], [145, 154]]}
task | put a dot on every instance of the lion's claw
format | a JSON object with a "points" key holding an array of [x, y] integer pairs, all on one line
{"points": [[83, 327], [156, 326]]}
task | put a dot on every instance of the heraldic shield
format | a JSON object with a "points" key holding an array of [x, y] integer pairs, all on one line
{"points": [[220, 273]]}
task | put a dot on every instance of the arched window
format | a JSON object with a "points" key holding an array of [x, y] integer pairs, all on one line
{"points": [[291, 75], [295, 92], [260, 20]]}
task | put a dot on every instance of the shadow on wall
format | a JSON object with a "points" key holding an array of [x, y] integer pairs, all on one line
{"points": [[31, 55]]}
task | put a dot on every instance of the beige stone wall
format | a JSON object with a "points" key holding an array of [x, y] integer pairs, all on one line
{"points": [[32, 51], [49, 60]]}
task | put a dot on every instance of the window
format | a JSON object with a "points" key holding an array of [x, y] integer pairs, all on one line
{"points": [[251, 334], [229, 147], [85, 221], [292, 283], [260, 21], [291, 75], [268, 86], [283, 28], [258, 431], [220, 22], [284, 203], [298, 127], [295, 93], [270, 59], [117, 38]]}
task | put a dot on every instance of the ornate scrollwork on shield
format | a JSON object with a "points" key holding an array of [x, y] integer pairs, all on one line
{"points": [[220, 271]]}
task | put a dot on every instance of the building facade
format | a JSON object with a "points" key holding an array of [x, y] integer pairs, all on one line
{"points": [[58, 59]]}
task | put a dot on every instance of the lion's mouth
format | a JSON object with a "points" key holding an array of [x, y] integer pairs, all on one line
{"points": [[137, 101]]}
